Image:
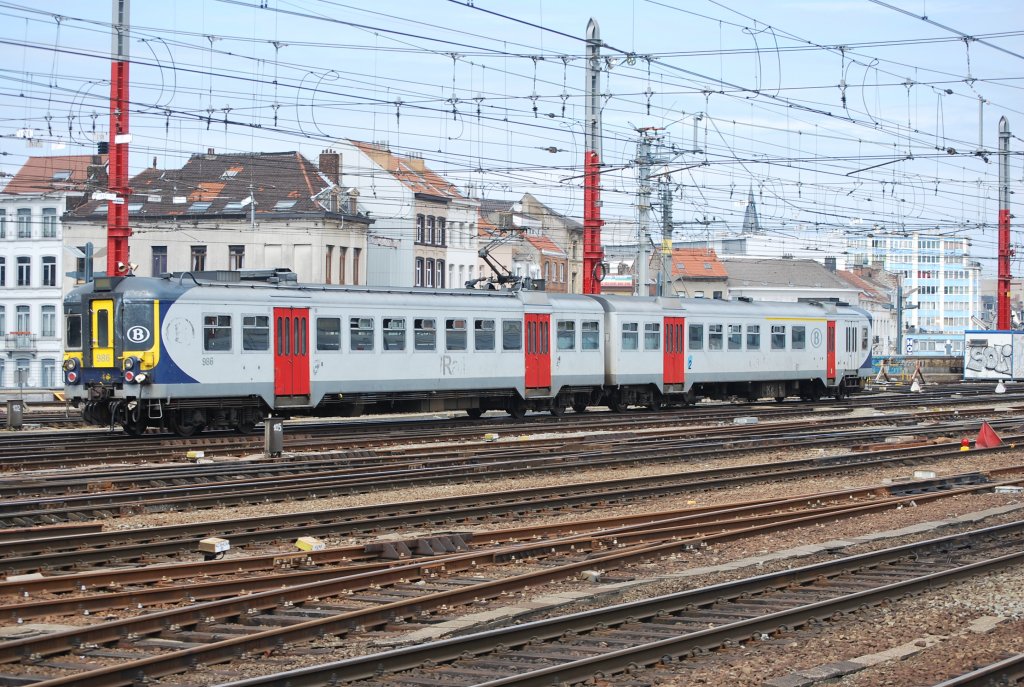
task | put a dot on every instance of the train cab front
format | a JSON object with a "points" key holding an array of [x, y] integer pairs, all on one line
{"points": [[110, 347]]}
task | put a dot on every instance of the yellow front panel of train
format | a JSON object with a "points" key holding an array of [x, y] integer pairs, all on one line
{"points": [[102, 332]]}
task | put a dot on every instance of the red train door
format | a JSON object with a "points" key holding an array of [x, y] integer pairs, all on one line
{"points": [[830, 350], [675, 353], [538, 351], [291, 351]]}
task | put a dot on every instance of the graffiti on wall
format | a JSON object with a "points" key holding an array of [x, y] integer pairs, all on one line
{"points": [[990, 358]]}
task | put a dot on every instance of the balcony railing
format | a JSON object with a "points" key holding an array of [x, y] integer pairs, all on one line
{"points": [[21, 341]]}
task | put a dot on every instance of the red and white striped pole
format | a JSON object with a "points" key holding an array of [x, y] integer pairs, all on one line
{"points": [[118, 230]]}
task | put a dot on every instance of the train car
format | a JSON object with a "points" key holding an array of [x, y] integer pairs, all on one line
{"points": [[671, 351], [185, 354]]}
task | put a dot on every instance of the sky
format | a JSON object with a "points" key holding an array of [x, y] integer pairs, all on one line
{"points": [[838, 116]]}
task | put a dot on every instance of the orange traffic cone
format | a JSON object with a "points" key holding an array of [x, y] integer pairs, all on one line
{"points": [[987, 437]]}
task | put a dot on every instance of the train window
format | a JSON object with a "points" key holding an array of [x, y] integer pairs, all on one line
{"points": [[695, 342], [778, 337], [455, 338], [483, 335], [566, 335], [735, 337], [360, 332], [328, 333], [652, 336], [753, 337], [255, 333], [301, 336], [630, 336], [591, 336], [73, 332], [545, 336], [102, 332], [799, 338], [394, 333], [714, 337], [511, 335], [863, 338], [217, 332], [425, 334]]}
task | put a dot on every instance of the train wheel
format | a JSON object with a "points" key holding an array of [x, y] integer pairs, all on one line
{"points": [[780, 399], [557, 409], [474, 413], [184, 423], [616, 405], [246, 426], [579, 407], [841, 392], [655, 403], [134, 422], [517, 408]]}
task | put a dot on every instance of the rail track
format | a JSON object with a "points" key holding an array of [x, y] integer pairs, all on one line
{"points": [[246, 617]]}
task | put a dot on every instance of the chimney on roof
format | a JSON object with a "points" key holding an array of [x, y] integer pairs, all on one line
{"points": [[416, 162], [330, 166], [154, 162], [353, 201], [830, 263], [210, 151]]}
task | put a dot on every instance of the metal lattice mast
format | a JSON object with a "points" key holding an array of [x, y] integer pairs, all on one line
{"points": [[593, 253], [1005, 252]]}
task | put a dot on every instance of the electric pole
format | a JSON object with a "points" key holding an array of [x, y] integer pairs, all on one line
{"points": [[1003, 321], [118, 229], [593, 253]]}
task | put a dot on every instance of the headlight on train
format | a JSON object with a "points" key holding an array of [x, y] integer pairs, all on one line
{"points": [[70, 364], [131, 371]]}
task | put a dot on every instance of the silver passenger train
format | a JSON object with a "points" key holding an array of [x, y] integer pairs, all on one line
{"points": [[182, 353]]}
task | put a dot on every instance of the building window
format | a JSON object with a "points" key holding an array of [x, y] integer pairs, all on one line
{"points": [[419, 272], [3, 271], [198, 258], [328, 264], [3, 224], [49, 270], [421, 223], [236, 257], [50, 223], [431, 223], [561, 272], [48, 368], [22, 319], [3, 322], [440, 274], [24, 223], [342, 255], [24, 271], [159, 260], [217, 333], [48, 321], [547, 270], [440, 231], [21, 371], [428, 272], [356, 252]]}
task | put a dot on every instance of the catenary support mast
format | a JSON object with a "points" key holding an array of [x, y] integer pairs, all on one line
{"points": [[118, 230], [1003, 320], [593, 254]]}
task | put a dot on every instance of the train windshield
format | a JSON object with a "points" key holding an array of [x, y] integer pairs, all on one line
{"points": [[73, 332]]}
